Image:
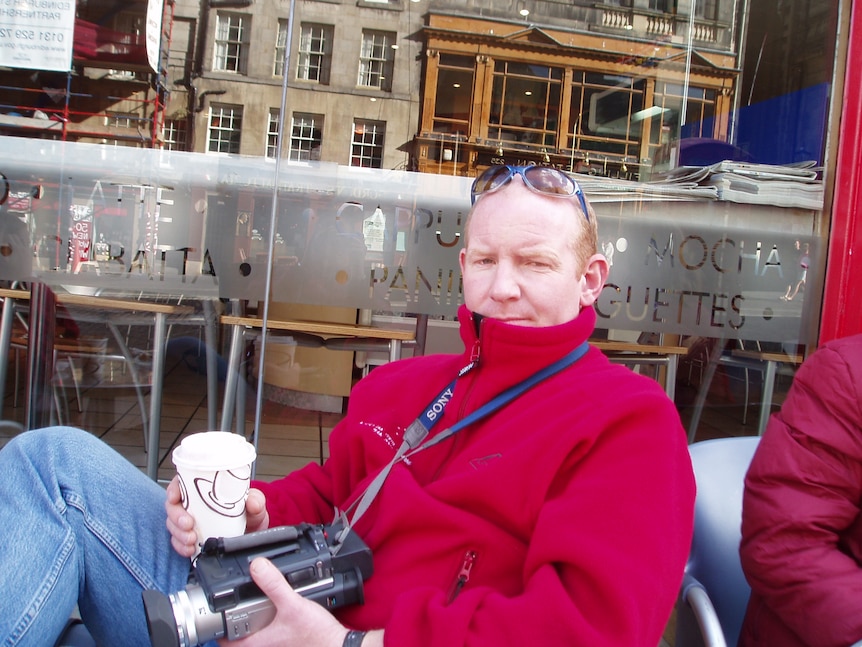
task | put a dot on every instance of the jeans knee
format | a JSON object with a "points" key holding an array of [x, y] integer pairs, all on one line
{"points": [[52, 442]]}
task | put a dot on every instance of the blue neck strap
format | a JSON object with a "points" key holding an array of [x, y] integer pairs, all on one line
{"points": [[434, 411], [418, 431]]}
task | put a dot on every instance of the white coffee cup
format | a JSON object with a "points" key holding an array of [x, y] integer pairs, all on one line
{"points": [[214, 469]]}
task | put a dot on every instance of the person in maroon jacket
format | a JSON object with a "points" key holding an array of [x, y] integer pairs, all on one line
{"points": [[801, 546]]}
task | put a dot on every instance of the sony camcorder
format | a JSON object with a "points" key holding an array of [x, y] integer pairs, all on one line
{"points": [[222, 601]]}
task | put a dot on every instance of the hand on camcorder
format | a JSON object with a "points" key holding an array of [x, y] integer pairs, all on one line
{"points": [[181, 524], [298, 621]]}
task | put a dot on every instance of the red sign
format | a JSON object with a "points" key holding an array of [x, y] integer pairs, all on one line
{"points": [[79, 243]]}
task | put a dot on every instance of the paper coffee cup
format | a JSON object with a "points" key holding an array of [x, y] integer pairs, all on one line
{"points": [[214, 469]]}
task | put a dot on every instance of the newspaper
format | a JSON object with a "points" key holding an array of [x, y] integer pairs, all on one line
{"points": [[792, 185], [604, 189]]}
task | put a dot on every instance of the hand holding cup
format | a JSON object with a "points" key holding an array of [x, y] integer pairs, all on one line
{"points": [[213, 476]]}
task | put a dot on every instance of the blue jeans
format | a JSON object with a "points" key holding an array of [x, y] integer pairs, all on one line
{"points": [[79, 525]]}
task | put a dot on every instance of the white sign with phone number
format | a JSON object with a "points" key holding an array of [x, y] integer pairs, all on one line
{"points": [[37, 34]]}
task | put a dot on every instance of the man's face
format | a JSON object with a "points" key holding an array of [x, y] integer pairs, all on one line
{"points": [[519, 264]]}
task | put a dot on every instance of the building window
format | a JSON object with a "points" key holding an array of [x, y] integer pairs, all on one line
{"points": [[306, 136], [706, 9], [454, 93], [272, 128], [525, 103], [611, 110], [280, 45], [367, 147], [174, 136], [664, 6], [231, 42], [225, 126], [376, 60], [699, 113], [315, 53], [122, 120]]}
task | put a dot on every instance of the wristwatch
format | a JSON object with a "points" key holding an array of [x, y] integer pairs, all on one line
{"points": [[353, 639]]}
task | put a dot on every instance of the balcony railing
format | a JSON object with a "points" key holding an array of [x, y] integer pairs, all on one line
{"points": [[658, 26]]}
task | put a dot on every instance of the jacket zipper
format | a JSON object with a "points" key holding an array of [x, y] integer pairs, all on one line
{"points": [[463, 574], [474, 360], [475, 354]]}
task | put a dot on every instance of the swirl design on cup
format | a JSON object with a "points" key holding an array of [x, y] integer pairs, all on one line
{"points": [[224, 494]]}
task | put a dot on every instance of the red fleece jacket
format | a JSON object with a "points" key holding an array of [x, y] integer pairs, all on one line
{"points": [[576, 499]]}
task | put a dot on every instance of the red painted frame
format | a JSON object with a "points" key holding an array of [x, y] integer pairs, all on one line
{"points": [[842, 293]]}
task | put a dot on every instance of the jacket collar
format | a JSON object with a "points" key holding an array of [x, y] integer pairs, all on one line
{"points": [[519, 350]]}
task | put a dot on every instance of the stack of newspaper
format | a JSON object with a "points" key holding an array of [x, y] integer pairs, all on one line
{"points": [[793, 185], [605, 189], [785, 186]]}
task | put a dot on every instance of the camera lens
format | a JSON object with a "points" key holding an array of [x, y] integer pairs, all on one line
{"points": [[161, 623]]}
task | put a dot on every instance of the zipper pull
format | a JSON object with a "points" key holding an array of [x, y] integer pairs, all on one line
{"points": [[464, 574], [474, 359], [467, 566]]}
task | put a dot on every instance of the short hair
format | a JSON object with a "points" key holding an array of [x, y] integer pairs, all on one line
{"points": [[585, 244]]}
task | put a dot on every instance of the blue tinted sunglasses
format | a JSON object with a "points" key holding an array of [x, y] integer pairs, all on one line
{"points": [[541, 179]]}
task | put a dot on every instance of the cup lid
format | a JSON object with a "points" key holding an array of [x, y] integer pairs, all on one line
{"points": [[213, 450]]}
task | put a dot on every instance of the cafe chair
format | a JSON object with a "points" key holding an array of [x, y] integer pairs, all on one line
{"points": [[80, 364], [75, 635], [747, 366], [714, 592]]}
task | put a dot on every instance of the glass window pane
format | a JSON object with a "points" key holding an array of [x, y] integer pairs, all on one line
{"points": [[376, 59], [367, 147], [225, 129], [272, 129], [230, 42], [314, 53], [280, 45], [306, 137], [454, 100]]}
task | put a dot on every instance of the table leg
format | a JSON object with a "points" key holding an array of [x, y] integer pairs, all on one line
{"points": [[6, 320], [212, 363], [40, 354], [232, 377], [768, 387], [670, 376], [159, 334], [240, 400], [394, 350]]}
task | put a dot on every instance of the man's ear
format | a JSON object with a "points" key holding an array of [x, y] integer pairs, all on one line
{"points": [[593, 280]]}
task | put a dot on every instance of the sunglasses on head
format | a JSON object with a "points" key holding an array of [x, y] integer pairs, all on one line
{"points": [[541, 179]]}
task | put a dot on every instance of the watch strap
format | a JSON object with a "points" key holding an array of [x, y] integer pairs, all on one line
{"points": [[353, 639]]}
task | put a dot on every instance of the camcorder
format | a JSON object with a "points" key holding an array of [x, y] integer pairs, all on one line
{"points": [[222, 601]]}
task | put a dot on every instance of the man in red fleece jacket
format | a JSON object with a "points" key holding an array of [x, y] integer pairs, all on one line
{"points": [[562, 518]]}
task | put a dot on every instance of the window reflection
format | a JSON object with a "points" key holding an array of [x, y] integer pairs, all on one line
{"points": [[454, 94], [525, 103], [306, 137], [225, 129]]}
